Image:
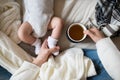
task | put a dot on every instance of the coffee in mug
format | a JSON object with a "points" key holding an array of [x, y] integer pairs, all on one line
{"points": [[75, 32]]}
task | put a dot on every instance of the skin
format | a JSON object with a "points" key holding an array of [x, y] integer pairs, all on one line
{"points": [[94, 34], [25, 31], [44, 54]]}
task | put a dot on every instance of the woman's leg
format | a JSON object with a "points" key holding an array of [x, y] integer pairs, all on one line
{"points": [[25, 33], [101, 72]]}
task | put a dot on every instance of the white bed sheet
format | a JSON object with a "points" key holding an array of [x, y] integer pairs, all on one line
{"points": [[75, 11]]}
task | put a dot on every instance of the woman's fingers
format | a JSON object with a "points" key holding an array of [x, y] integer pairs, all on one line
{"points": [[48, 50], [94, 29], [51, 50], [94, 34], [88, 32]]}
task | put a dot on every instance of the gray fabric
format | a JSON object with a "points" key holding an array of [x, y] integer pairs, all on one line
{"points": [[105, 10], [110, 29]]}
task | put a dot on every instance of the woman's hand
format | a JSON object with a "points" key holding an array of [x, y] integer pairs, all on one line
{"points": [[44, 53], [94, 34]]}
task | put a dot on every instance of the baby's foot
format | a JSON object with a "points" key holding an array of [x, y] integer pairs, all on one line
{"points": [[37, 48], [52, 43], [37, 45], [56, 53]]}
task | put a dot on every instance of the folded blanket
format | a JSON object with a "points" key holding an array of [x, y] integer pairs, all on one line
{"points": [[10, 19], [69, 65]]}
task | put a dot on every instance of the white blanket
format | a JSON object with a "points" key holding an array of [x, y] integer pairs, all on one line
{"points": [[69, 65], [10, 19], [11, 55]]}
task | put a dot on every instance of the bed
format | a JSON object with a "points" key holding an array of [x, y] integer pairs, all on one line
{"points": [[69, 10]]}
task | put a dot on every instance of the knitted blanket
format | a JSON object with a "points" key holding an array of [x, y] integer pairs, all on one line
{"points": [[10, 19]]}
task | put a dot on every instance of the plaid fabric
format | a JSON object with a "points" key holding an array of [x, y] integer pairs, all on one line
{"points": [[116, 11], [105, 10]]}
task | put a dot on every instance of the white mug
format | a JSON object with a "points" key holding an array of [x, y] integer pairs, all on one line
{"points": [[75, 32]]}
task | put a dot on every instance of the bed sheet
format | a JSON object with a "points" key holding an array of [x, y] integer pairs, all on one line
{"points": [[72, 11]]}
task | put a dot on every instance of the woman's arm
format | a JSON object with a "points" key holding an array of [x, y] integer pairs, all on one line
{"points": [[107, 52], [109, 56], [31, 70]]}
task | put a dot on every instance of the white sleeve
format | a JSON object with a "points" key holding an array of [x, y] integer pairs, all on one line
{"points": [[26, 71], [110, 57]]}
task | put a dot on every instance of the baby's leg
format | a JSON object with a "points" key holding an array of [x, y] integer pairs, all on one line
{"points": [[25, 34], [56, 24]]}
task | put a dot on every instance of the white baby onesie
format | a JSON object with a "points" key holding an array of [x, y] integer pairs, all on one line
{"points": [[38, 13]]}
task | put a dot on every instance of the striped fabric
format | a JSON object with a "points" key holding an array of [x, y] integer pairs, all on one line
{"points": [[105, 10]]}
